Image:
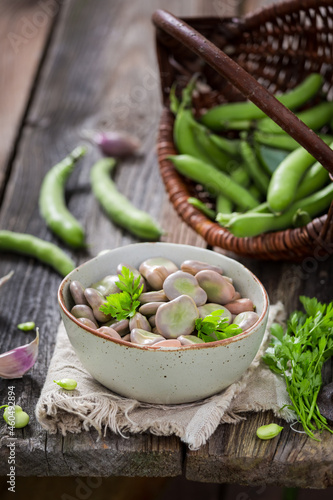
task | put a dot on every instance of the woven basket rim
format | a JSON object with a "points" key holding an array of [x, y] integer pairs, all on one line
{"points": [[292, 243], [211, 231]]}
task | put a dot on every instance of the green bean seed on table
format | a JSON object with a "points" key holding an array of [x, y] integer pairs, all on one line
{"points": [[117, 206], [46, 252], [52, 201]]}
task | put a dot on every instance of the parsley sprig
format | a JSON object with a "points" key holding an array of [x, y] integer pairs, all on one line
{"points": [[214, 327], [124, 304], [298, 355]]}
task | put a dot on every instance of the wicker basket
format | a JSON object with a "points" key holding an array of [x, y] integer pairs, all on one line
{"points": [[270, 50]]}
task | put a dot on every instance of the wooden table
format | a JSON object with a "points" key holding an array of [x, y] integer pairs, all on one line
{"points": [[67, 67]]}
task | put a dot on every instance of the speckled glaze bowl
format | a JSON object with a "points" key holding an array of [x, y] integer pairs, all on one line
{"points": [[162, 376]]}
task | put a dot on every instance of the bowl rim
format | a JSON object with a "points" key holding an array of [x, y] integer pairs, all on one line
{"points": [[203, 345]]}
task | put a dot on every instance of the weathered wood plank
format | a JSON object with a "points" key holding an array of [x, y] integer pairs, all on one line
{"points": [[234, 454], [24, 31], [112, 82]]}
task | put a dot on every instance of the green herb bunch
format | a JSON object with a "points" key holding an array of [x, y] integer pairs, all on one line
{"points": [[214, 327], [124, 304], [298, 355]]}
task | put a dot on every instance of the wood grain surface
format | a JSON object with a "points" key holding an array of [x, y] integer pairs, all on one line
{"points": [[98, 70], [25, 28]]}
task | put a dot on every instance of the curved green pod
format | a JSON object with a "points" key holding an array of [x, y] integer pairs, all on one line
{"points": [[52, 201], [217, 117], [117, 206]]}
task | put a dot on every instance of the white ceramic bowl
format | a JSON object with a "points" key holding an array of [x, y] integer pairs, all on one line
{"points": [[163, 376]]}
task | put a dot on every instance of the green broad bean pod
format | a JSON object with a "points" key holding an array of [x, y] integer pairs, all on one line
{"points": [[117, 206], [280, 141], [314, 179], [202, 207], [217, 118], [286, 179], [52, 201], [195, 139], [315, 118], [46, 252], [223, 204], [252, 223], [213, 179], [253, 168]]}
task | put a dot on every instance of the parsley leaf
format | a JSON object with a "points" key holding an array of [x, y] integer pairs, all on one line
{"points": [[214, 327], [298, 355], [123, 305]]}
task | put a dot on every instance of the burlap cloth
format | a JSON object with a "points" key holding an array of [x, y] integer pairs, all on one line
{"points": [[92, 405]]}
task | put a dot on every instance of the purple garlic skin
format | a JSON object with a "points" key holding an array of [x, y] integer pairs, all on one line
{"points": [[16, 362], [117, 144]]}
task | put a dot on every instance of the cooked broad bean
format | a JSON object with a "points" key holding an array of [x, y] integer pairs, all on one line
{"points": [[109, 331], [155, 271], [77, 291], [167, 317], [96, 300], [240, 305], [87, 322], [194, 266], [246, 319], [218, 289], [139, 321], [83, 311], [181, 283]]}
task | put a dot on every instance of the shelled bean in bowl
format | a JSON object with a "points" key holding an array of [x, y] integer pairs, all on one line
{"points": [[162, 359]]}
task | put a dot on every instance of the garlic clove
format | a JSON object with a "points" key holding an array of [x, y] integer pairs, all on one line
{"points": [[16, 362], [117, 144], [4, 279]]}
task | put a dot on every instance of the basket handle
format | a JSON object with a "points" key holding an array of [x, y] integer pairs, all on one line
{"points": [[246, 84]]}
